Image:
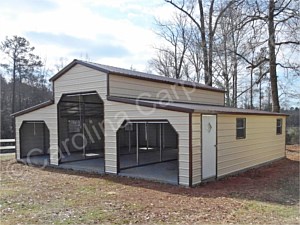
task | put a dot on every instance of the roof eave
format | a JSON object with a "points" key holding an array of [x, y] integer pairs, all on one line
{"points": [[33, 108], [75, 61], [242, 113], [71, 65]]}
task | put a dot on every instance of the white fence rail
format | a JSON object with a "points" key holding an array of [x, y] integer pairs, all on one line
{"points": [[9, 145]]}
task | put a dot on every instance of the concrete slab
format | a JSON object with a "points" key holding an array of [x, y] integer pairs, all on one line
{"points": [[88, 165], [39, 160], [146, 157], [166, 172]]}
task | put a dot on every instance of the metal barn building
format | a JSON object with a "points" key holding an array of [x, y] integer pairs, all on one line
{"points": [[111, 120]]}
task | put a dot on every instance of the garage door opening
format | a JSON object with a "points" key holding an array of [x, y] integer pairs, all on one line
{"points": [[148, 149], [34, 141], [81, 129]]}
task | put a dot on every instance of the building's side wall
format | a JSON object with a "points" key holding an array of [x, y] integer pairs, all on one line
{"points": [[261, 144], [143, 89], [116, 113], [47, 114], [196, 147]]}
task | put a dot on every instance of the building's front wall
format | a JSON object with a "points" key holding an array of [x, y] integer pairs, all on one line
{"points": [[81, 79], [116, 113], [261, 144], [77, 79], [47, 114], [144, 89]]}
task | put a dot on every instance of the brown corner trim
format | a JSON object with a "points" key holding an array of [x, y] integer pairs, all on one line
{"points": [[148, 104], [33, 108]]}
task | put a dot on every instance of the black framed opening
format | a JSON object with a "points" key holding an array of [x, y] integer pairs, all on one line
{"points": [[278, 126], [241, 128], [144, 143], [34, 139], [81, 126]]}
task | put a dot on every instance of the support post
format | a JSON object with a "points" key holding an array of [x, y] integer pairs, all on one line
{"points": [[137, 144], [160, 142], [129, 141], [82, 115], [146, 134], [163, 136]]}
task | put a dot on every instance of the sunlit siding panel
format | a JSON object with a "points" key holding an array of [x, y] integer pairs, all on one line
{"points": [[261, 144], [47, 114], [196, 143], [116, 113], [143, 89], [81, 79]]}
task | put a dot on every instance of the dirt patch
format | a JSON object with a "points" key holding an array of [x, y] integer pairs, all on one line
{"points": [[31, 195]]}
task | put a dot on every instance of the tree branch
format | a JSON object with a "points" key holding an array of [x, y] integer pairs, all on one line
{"points": [[288, 42]]}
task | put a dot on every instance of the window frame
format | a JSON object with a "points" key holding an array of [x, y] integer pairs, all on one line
{"points": [[241, 128], [279, 133]]}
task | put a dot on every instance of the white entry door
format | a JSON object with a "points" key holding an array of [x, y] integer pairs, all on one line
{"points": [[209, 141]]}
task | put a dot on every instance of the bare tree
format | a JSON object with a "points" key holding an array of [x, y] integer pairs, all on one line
{"points": [[282, 21], [206, 18], [170, 59]]}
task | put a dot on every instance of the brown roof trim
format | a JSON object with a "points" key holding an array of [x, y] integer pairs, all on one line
{"points": [[263, 113], [148, 104], [98, 68], [33, 108], [73, 63]]}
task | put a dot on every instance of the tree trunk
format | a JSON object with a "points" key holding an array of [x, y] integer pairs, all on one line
{"points": [[13, 98], [207, 78], [14, 88], [260, 94], [251, 88], [272, 56], [235, 81]]}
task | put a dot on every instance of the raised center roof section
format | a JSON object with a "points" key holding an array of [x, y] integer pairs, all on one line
{"points": [[134, 74]]}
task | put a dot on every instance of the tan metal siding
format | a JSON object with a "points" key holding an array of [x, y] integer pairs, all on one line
{"points": [[261, 145], [49, 115], [133, 88], [77, 79], [116, 113], [81, 79], [196, 142]]}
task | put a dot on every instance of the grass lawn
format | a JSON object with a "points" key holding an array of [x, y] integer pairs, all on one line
{"points": [[31, 195]]}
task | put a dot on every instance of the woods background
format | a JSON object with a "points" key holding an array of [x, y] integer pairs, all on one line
{"points": [[248, 47]]}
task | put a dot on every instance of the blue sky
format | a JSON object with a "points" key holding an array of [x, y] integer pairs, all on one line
{"points": [[116, 32]]}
